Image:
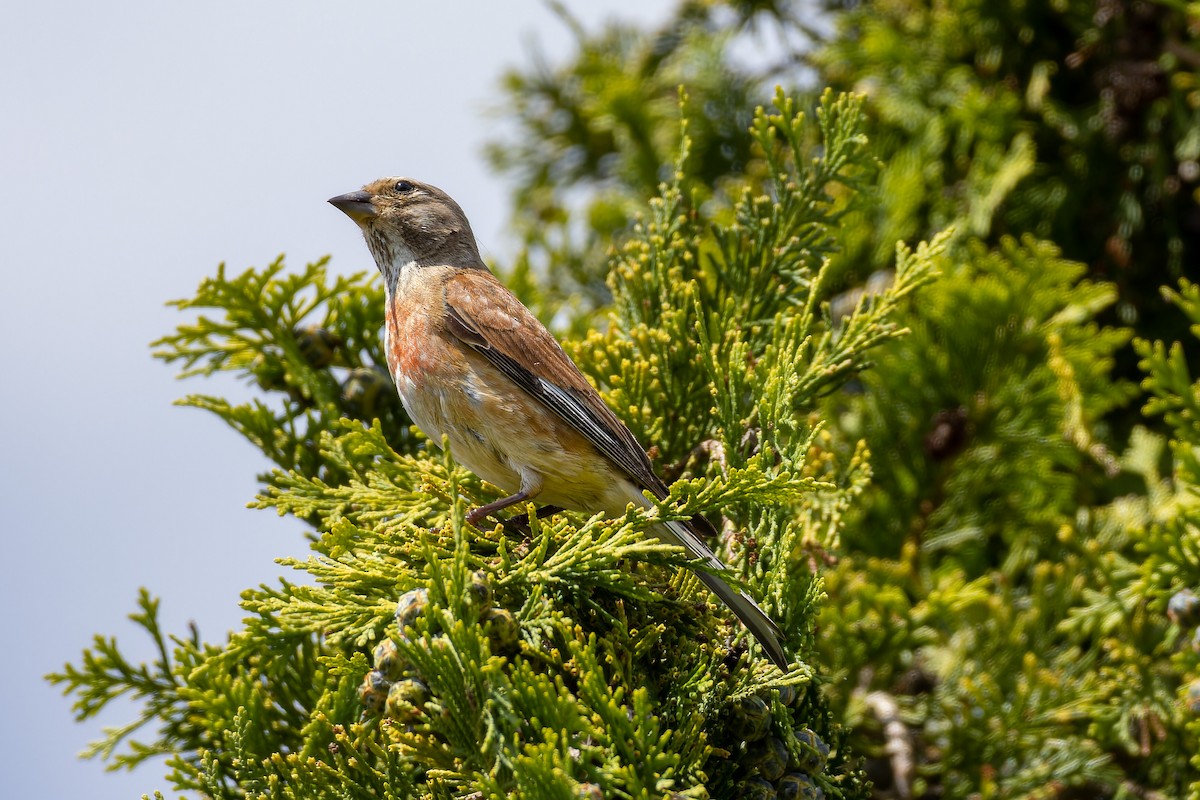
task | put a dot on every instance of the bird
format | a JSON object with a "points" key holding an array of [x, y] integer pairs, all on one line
{"points": [[473, 364]]}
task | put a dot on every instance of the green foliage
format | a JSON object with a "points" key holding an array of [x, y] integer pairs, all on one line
{"points": [[1006, 586], [1070, 122], [979, 547], [312, 343], [1073, 122], [594, 138], [594, 661], [990, 452], [997, 618]]}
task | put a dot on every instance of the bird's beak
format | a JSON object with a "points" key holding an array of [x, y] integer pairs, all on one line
{"points": [[356, 205]]}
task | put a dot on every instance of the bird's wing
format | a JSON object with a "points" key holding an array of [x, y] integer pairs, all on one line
{"points": [[488, 318]]}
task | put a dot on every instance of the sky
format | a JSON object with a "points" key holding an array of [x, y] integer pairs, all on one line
{"points": [[142, 144]]}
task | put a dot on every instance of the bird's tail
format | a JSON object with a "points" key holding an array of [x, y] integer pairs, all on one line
{"points": [[754, 618]]}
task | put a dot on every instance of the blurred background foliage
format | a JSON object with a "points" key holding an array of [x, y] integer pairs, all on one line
{"points": [[1010, 547], [1074, 122], [997, 623]]}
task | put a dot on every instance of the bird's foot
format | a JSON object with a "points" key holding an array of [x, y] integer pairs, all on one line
{"points": [[520, 523]]}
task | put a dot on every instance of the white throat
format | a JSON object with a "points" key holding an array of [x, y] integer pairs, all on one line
{"points": [[396, 261]]}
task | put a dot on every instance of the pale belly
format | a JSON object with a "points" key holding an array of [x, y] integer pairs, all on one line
{"points": [[512, 441]]}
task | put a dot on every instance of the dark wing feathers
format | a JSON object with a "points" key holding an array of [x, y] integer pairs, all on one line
{"points": [[494, 323]]}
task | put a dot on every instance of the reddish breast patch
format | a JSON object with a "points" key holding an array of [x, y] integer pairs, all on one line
{"points": [[413, 350]]}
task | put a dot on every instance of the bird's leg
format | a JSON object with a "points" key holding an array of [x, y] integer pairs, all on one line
{"points": [[476, 514], [531, 484]]}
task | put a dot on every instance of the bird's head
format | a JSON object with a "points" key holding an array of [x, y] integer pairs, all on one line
{"points": [[407, 222]]}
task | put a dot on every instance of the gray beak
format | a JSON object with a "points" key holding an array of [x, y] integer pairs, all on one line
{"points": [[356, 205]]}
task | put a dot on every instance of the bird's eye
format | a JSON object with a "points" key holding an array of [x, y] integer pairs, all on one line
{"points": [[404, 186]]}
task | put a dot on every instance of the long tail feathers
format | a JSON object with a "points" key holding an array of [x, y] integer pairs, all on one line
{"points": [[754, 618]]}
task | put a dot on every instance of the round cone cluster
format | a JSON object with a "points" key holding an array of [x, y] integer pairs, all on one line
{"points": [[269, 374], [364, 392], [798, 786], [406, 700], [501, 626], [411, 606], [480, 590], [751, 718], [388, 660], [757, 789], [373, 691], [502, 629], [390, 690], [769, 756], [364, 389], [779, 762], [317, 345], [393, 687], [815, 752]]}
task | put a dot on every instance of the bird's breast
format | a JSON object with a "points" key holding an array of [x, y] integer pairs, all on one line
{"points": [[495, 428], [421, 364]]}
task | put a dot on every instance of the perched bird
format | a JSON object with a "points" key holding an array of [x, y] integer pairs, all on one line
{"points": [[473, 364]]}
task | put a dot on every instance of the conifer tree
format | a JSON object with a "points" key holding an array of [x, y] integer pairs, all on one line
{"points": [[422, 657], [999, 430], [978, 528]]}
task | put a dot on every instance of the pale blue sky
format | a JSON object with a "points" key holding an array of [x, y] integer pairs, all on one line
{"points": [[142, 143]]}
